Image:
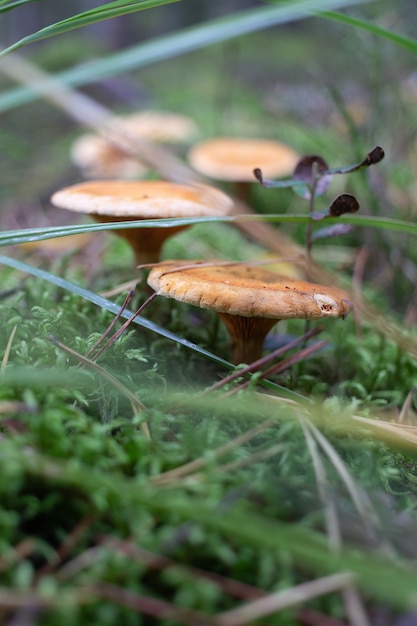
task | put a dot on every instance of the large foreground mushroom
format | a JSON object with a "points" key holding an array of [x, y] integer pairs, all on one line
{"points": [[121, 201], [249, 299]]}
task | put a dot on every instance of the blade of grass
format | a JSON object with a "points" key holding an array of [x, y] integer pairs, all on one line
{"points": [[182, 42], [323, 489], [7, 350], [400, 40], [14, 237], [274, 602], [8, 7], [86, 18], [359, 497]]}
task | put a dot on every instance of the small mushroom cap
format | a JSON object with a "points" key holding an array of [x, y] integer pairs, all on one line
{"points": [[234, 159], [99, 158], [246, 290], [142, 199], [160, 126]]}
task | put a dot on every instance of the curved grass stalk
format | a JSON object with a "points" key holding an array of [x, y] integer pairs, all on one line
{"points": [[169, 46], [14, 237], [330, 512], [359, 497], [399, 40], [86, 18]]}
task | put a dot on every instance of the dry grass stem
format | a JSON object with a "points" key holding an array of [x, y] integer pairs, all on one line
{"points": [[6, 355], [124, 326], [65, 549], [275, 602], [32, 599], [354, 607], [278, 368], [323, 488], [159, 562], [256, 365], [19, 552], [405, 409], [197, 464], [110, 326], [362, 502], [136, 404], [83, 561], [129, 286], [158, 609]]}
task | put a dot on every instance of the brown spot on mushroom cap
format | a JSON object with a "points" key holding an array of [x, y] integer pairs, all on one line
{"points": [[247, 290], [134, 200], [233, 159]]}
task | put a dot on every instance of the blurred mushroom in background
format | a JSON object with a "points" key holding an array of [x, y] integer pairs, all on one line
{"points": [[97, 157]]}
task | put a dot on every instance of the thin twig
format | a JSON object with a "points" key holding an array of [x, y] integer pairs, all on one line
{"points": [[159, 562], [280, 367], [19, 552], [263, 360], [158, 609], [354, 607], [6, 355], [67, 545], [359, 496], [284, 599], [357, 280], [199, 463], [136, 404], [125, 325], [406, 406], [111, 325], [330, 512], [295, 358]]}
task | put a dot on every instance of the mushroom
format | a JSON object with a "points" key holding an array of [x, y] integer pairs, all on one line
{"points": [[249, 299], [97, 157], [234, 159], [121, 201]]}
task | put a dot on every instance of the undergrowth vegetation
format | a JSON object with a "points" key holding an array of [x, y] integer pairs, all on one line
{"points": [[145, 478]]}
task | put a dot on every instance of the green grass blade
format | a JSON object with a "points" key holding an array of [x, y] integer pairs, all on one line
{"points": [[182, 42], [106, 12], [8, 7], [385, 223], [39, 378], [14, 237], [399, 40]]}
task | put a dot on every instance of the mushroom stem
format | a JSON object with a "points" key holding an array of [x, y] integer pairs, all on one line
{"points": [[242, 190], [145, 242], [247, 335]]}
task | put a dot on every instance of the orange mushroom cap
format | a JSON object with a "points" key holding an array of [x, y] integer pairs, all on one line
{"points": [[250, 299], [234, 159], [134, 200]]}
